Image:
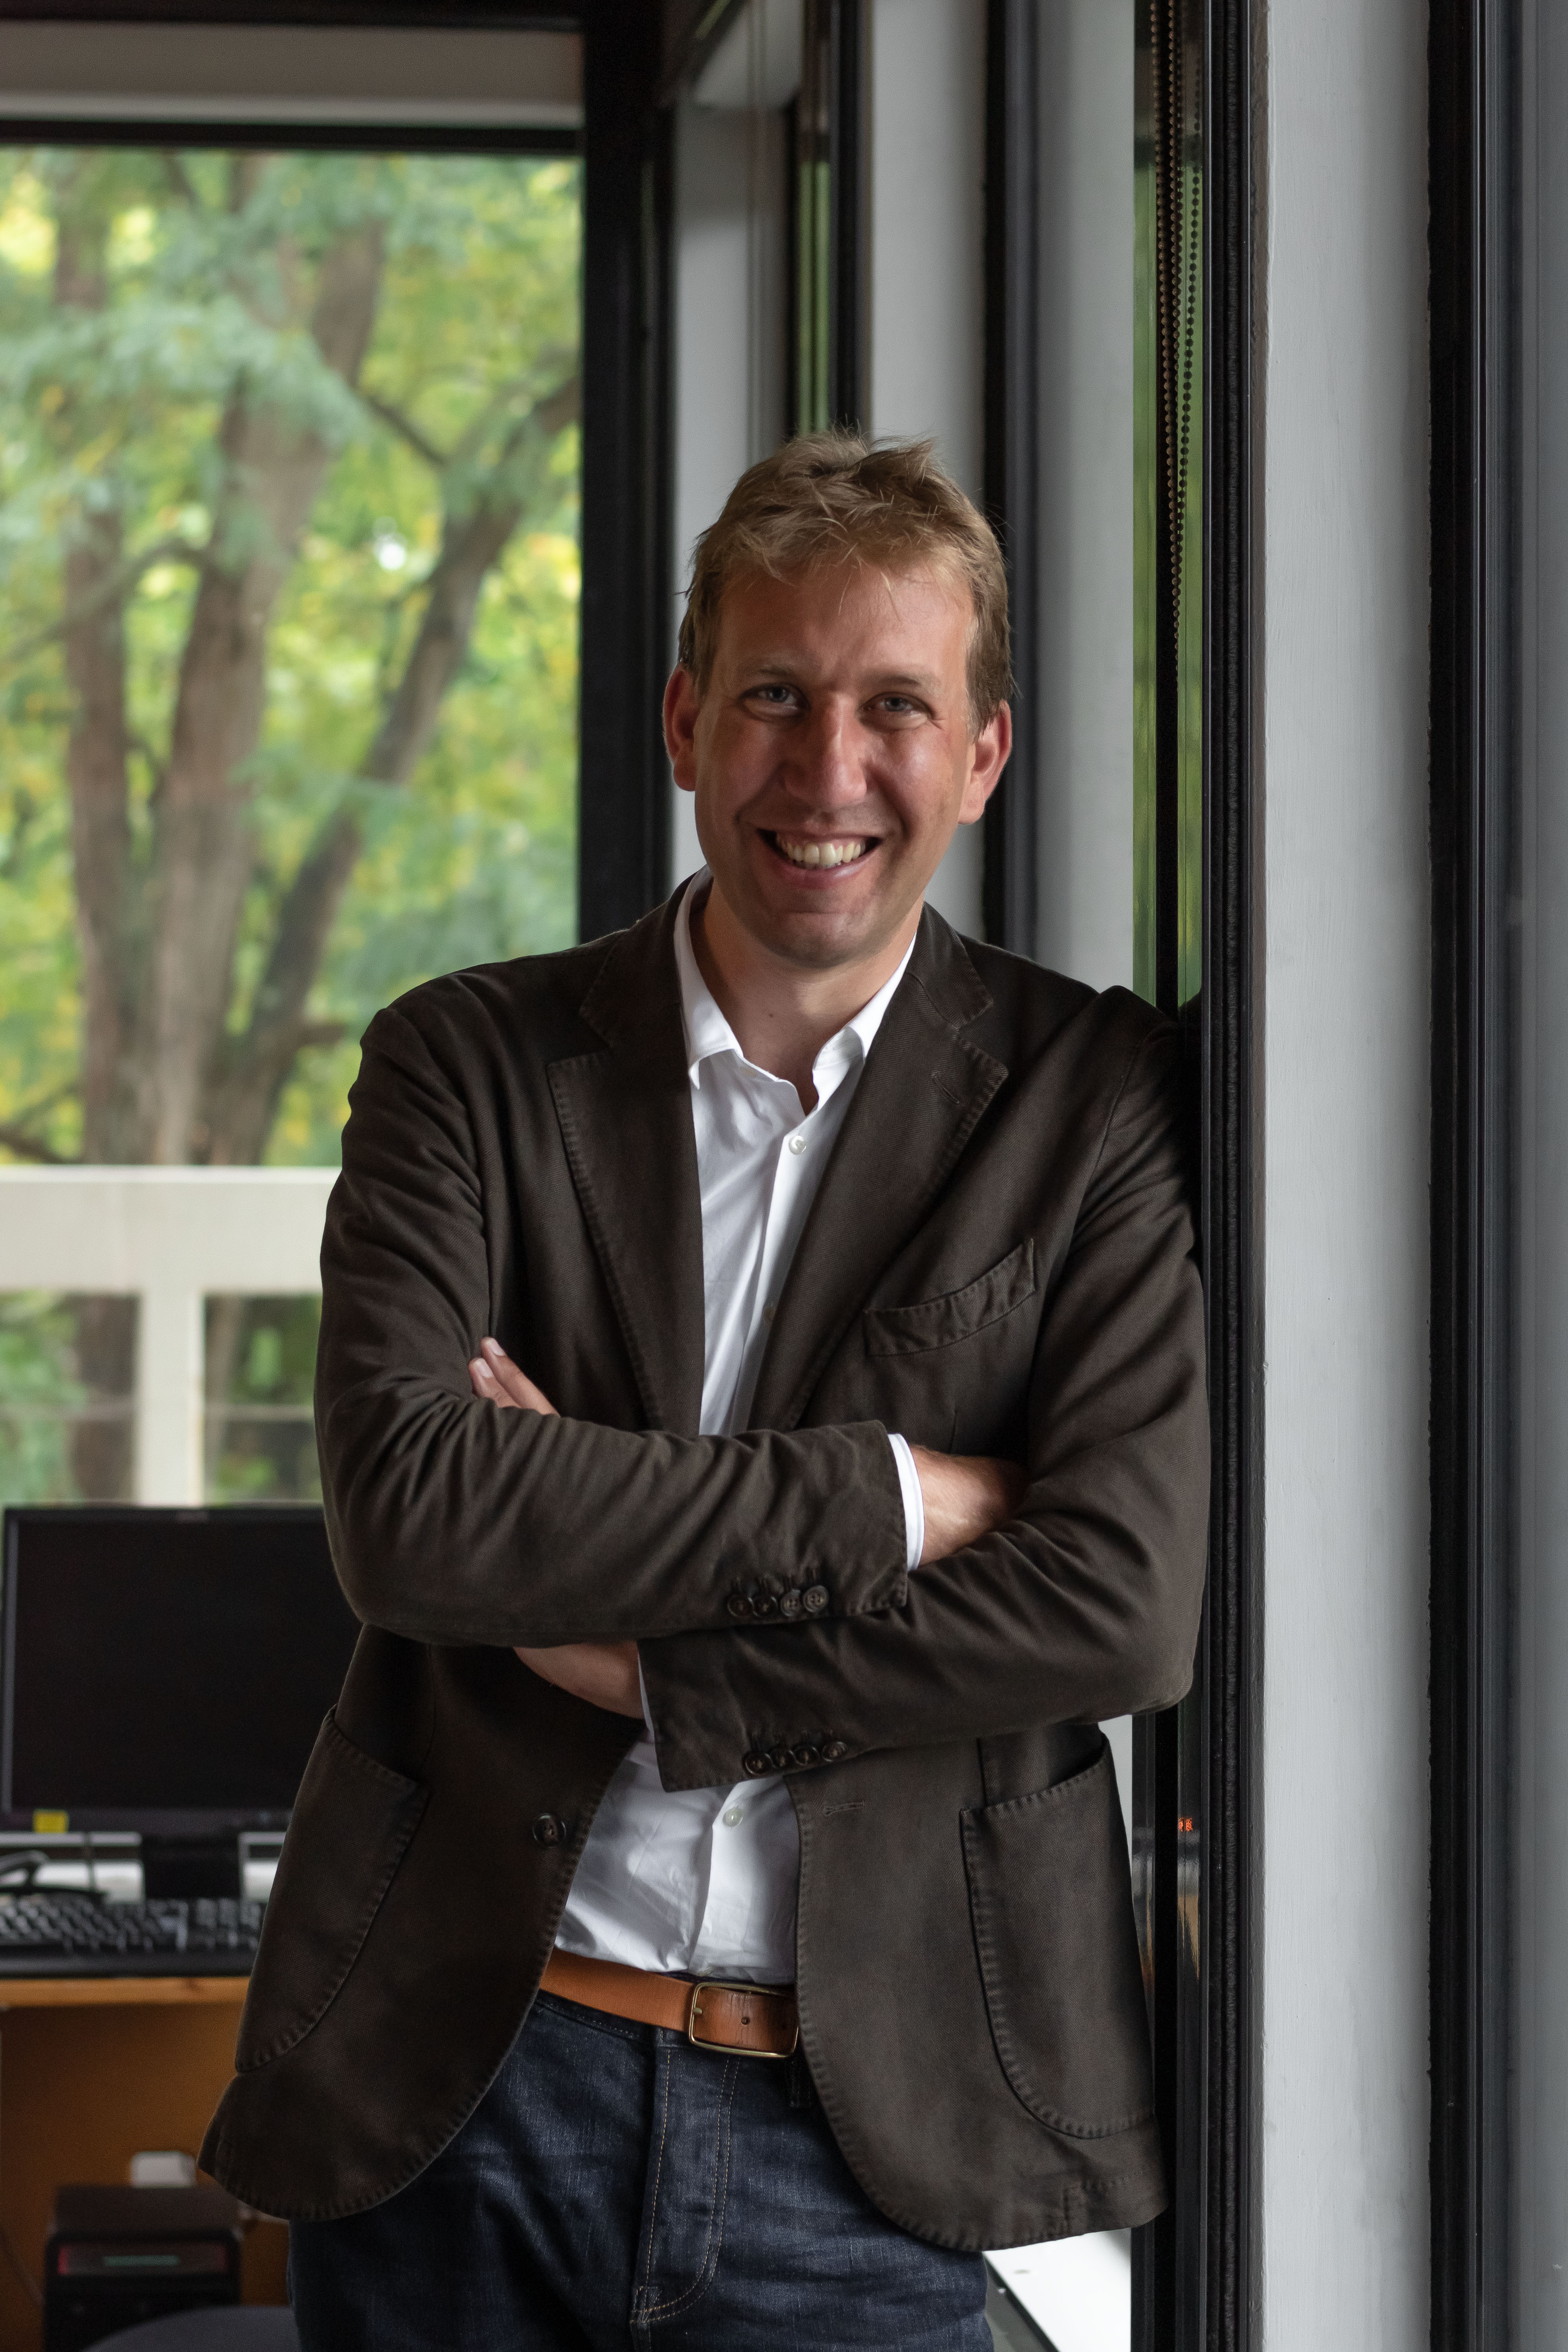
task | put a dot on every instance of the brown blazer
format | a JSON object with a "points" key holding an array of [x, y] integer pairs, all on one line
{"points": [[999, 1260]]}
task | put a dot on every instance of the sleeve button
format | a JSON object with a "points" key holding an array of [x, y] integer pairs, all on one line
{"points": [[764, 1605], [803, 1756], [549, 1830], [815, 1598], [832, 1749], [738, 1605], [779, 1758], [789, 1603], [756, 1765]]}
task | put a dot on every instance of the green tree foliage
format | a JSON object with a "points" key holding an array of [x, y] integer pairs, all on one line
{"points": [[288, 580]]}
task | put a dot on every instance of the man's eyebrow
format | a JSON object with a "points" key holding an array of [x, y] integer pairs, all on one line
{"points": [[923, 680]]}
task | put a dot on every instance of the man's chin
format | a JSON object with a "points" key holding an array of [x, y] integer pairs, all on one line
{"points": [[826, 939]]}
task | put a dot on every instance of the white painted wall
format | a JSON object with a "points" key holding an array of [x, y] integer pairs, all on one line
{"points": [[729, 332], [1085, 555], [925, 190], [926, 293], [1344, 709]]}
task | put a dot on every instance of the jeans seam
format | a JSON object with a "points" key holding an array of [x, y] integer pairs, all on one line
{"points": [[718, 2204], [658, 2176]]}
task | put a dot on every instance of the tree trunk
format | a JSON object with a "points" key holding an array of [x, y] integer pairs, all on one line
{"points": [[102, 1446], [252, 1074], [203, 856], [96, 749]]}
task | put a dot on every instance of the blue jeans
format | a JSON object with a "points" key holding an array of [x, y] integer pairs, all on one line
{"points": [[617, 2191]]}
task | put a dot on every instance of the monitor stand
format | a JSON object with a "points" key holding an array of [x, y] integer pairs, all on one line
{"points": [[190, 1867]]}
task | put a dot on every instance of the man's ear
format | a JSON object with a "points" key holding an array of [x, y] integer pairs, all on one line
{"points": [[991, 747], [681, 705]]}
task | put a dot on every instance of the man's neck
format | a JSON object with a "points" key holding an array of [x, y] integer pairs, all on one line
{"points": [[781, 1013]]}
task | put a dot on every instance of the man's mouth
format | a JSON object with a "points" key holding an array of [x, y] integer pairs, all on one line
{"points": [[801, 849]]}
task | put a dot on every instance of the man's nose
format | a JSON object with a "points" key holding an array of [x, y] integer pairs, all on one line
{"points": [[831, 769]]}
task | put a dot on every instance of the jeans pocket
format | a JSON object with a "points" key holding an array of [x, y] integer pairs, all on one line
{"points": [[352, 1824], [1050, 1898]]}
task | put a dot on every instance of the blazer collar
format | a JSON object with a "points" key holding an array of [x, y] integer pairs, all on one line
{"points": [[626, 1119]]}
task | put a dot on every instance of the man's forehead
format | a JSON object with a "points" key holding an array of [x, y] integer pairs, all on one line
{"points": [[902, 621]]}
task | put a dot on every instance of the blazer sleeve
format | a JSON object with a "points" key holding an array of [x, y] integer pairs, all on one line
{"points": [[1087, 1605], [454, 1522]]}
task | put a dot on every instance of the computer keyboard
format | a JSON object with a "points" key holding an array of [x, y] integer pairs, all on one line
{"points": [[58, 1932]]}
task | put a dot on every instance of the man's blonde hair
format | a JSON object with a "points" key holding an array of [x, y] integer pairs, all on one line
{"points": [[827, 498]]}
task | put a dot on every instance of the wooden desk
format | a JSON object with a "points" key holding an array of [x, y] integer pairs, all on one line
{"points": [[92, 2068]]}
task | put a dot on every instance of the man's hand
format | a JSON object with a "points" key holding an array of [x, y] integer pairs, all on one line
{"points": [[965, 1495], [493, 1376], [603, 1673]]}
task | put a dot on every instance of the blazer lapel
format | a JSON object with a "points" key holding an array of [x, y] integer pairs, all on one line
{"points": [[920, 1098], [626, 1120]]}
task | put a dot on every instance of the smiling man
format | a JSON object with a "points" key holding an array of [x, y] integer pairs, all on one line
{"points": [[763, 1426]]}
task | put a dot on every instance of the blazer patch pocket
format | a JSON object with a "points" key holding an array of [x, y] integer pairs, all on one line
{"points": [[1050, 1898], [352, 1824], [958, 1314]]}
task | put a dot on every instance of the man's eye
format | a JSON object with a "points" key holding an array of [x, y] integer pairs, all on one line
{"points": [[777, 695]]}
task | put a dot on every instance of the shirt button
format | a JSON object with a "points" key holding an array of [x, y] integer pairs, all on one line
{"points": [[797, 1144], [549, 1830], [756, 1765], [768, 1314], [734, 1815], [815, 1598]]}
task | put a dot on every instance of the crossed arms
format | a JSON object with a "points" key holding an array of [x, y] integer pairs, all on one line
{"points": [[966, 1497], [453, 1522]]}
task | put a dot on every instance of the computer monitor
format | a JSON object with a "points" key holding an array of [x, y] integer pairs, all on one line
{"points": [[166, 1671]]}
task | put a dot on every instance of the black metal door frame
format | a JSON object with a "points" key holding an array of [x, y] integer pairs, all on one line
{"points": [[1474, 97]]}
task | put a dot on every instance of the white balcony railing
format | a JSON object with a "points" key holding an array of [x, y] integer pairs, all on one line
{"points": [[172, 1238]]}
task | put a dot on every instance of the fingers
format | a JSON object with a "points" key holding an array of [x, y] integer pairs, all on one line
{"points": [[493, 1376]]}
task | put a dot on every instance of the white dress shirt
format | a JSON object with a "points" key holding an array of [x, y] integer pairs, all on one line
{"points": [[702, 1882]]}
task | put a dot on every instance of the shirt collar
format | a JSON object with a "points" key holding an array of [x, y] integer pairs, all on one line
{"points": [[708, 1032]]}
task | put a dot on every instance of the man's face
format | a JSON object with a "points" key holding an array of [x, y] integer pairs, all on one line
{"points": [[831, 755]]}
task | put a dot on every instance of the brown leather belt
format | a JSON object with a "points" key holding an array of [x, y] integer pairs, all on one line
{"points": [[753, 2021]]}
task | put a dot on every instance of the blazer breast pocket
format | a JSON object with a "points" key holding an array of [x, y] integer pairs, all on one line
{"points": [[957, 1314]]}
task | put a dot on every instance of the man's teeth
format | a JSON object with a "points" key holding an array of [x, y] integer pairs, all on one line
{"points": [[820, 853]]}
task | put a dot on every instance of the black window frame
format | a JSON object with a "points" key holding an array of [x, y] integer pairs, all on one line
{"points": [[1198, 1813], [1474, 134]]}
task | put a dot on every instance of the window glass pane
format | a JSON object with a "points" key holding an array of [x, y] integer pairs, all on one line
{"points": [[289, 604], [260, 1431], [67, 1408]]}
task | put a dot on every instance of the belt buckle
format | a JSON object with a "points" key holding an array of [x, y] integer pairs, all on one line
{"points": [[702, 2041]]}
